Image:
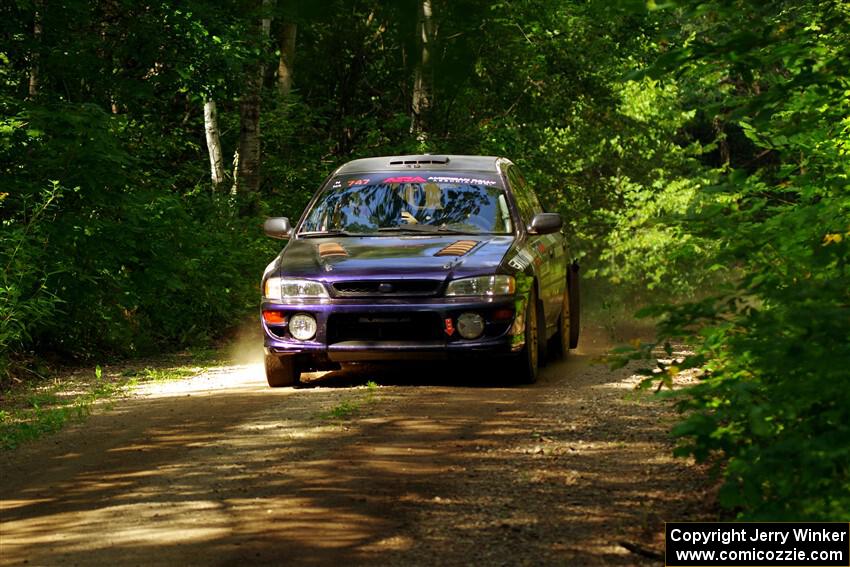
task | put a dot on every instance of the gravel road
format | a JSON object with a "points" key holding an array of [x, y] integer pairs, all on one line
{"points": [[435, 465]]}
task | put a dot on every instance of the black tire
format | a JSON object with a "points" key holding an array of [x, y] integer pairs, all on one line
{"points": [[527, 364], [559, 344], [575, 304], [282, 371]]}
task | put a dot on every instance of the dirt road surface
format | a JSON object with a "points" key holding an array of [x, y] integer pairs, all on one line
{"points": [[435, 466]]}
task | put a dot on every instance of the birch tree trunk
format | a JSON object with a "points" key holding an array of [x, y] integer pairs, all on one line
{"points": [[247, 178], [423, 75], [286, 38], [213, 143], [37, 29]]}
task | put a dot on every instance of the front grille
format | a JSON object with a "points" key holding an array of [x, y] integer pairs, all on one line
{"points": [[385, 327], [359, 288]]}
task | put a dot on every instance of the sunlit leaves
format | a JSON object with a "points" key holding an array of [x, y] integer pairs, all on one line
{"points": [[776, 345]]}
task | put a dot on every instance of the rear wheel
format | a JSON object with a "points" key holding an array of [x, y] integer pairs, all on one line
{"points": [[560, 342], [282, 371], [575, 304], [528, 360]]}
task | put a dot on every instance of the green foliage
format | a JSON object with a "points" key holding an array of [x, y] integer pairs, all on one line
{"points": [[26, 302], [161, 374], [47, 408], [351, 406], [774, 404], [33, 409], [697, 151], [342, 411], [133, 266], [658, 177], [138, 255]]}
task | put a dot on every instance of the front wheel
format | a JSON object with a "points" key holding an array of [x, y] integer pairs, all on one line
{"points": [[527, 364], [282, 371]]}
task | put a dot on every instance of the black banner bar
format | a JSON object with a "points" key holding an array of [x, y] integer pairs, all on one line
{"points": [[757, 544]]}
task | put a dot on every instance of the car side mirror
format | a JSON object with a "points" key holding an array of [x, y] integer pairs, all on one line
{"points": [[545, 223], [277, 227]]}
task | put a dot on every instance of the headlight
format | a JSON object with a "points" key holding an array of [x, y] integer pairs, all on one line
{"points": [[483, 285], [290, 288]]}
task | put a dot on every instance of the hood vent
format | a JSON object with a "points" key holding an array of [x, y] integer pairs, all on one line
{"points": [[331, 249], [459, 248]]}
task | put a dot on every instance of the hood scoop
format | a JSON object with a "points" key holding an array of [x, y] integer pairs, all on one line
{"points": [[327, 249], [459, 248]]}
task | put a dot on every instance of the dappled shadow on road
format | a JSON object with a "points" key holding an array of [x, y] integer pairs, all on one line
{"points": [[556, 473]]}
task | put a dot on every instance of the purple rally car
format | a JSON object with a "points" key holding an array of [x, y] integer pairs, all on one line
{"points": [[417, 258]]}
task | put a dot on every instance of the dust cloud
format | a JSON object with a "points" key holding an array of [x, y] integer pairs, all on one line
{"points": [[246, 345]]}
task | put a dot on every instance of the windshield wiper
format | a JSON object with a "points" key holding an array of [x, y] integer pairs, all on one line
{"points": [[409, 228], [333, 232], [427, 228]]}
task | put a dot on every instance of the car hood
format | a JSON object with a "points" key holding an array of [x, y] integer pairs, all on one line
{"points": [[431, 257]]}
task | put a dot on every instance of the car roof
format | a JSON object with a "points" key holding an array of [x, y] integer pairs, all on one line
{"points": [[423, 161]]}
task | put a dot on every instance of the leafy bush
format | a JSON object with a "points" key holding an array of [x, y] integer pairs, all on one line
{"points": [[774, 343], [26, 303], [120, 264]]}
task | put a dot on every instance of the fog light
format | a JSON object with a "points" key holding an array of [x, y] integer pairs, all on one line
{"points": [[470, 325], [302, 326]]}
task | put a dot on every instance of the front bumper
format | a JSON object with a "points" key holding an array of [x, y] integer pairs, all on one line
{"points": [[331, 346]]}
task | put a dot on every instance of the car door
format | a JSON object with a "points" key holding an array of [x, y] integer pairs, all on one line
{"points": [[548, 250]]}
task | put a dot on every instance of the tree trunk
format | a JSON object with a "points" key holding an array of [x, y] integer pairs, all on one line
{"points": [[423, 74], [248, 163], [213, 143], [37, 28], [247, 178], [285, 66]]}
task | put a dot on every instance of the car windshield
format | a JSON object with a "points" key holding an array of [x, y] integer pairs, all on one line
{"points": [[372, 204]]}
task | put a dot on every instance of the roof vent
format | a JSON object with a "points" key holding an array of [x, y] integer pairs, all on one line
{"points": [[420, 160]]}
